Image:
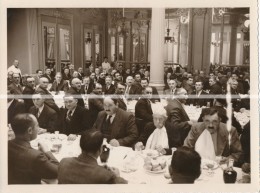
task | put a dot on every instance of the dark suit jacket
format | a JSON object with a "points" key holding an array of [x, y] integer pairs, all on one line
{"points": [[200, 100], [235, 150], [15, 108], [215, 89], [79, 121], [121, 104], [66, 77], [87, 90], [95, 105], [50, 78], [85, 170], [245, 142], [63, 86], [49, 98], [48, 118], [15, 89], [135, 90], [143, 113], [73, 91], [178, 122], [27, 165], [111, 89], [28, 101], [122, 128]]}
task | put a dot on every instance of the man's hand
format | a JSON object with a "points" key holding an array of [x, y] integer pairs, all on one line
{"points": [[160, 149], [41, 131], [115, 171], [43, 147], [114, 143], [139, 146], [72, 137]]}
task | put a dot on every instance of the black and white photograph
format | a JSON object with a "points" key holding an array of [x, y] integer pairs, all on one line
{"points": [[142, 96]]}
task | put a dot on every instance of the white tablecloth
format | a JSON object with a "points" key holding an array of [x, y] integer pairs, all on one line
{"points": [[118, 157]]}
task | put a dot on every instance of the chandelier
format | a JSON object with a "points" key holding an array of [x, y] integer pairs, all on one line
{"points": [[118, 24], [168, 38]]}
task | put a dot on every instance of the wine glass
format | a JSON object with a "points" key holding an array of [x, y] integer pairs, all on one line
{"points": [[210, 166]]}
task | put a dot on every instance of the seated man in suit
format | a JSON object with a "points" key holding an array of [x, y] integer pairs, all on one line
{"points": [[59, 84], [198, 97], [185, 166], [95, 103], [132, 89], [48, 75], [120, 90], [210, 138], [188, 85], [10, 77], [172, 83], [46, 116], [42, 89], [143, 110], [178, 120], [117, 125], [74, 119], [39, 74], [108, 88], [76, 90], [88, 85], [84, 169], [25, 164], [15, 86], [28, 91], [144, 84]]}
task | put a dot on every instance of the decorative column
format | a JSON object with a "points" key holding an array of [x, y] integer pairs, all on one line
{"points": [[233, 39], [157, 48]]}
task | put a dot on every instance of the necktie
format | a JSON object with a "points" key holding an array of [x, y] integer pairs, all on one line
{"points": [[127, 90], [37, 112], [20, 88], [68, 118]]}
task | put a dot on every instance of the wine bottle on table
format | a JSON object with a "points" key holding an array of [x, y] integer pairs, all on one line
{"points": [[229, 174]]}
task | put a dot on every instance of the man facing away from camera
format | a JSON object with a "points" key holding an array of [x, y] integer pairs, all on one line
{"points": [[25, 164], [84, 169]]}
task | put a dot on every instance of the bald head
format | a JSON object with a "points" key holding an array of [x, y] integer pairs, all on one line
{"points": [[76, 83], [44, 82]]}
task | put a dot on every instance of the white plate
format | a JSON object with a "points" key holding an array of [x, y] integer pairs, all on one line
{"points": [[150, 153], [155, 172]]}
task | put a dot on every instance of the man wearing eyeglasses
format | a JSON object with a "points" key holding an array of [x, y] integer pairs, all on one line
{"points": [[28, 91]]}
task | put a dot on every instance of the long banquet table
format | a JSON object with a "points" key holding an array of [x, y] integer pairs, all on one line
{"points": [[119, 158]]}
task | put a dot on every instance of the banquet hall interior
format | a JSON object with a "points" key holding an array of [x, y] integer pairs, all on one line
{"points": [[157, 83]]}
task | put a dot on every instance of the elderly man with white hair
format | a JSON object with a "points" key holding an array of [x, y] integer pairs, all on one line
{"points": [[157, 135], [43, 90], [75, 90]]}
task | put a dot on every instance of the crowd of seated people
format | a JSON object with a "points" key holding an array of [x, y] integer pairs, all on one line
{"points": [[109, 90]]}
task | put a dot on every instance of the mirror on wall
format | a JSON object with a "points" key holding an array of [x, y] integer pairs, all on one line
{"points": [[113, 48], [49, 39], [65, 45], [120, 48], [87, 48], [97, 49]]}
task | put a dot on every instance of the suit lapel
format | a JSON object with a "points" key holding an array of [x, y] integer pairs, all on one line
{"points": [[114, 126], [183, 110], [222, 139]]}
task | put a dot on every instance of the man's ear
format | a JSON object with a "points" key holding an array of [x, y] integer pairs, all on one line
{"points": [[30, 130]]}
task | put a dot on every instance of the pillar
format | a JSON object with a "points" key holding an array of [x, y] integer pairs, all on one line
{"points": [[157, 48]]}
